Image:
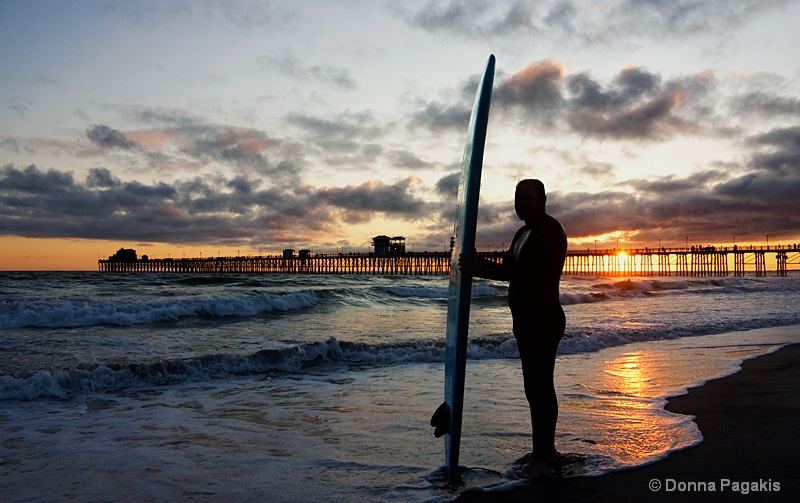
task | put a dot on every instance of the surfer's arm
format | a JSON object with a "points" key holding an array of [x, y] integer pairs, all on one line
{"points": [[479, 267], [495, 270]]}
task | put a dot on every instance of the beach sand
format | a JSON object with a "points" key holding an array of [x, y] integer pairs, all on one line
{"points": [[750, 451]]}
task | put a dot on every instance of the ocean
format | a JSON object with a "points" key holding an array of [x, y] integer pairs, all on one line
{"points": [[286, 388]]}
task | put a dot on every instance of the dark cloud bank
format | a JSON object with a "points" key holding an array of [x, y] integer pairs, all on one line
{"points": [[635, 105], [51, 203], [710, 206]]}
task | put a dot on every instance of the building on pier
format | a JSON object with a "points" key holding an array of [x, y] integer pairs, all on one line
{"points": [[125, 255], [385, 246]]}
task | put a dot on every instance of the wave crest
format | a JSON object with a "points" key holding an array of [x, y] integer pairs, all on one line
{"points": [[47, 313]]}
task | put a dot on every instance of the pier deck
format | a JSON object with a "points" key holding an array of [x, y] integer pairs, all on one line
{"points": [[706, 261]]}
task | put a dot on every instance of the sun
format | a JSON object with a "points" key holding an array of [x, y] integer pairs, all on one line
{"points": [[622, 255]]}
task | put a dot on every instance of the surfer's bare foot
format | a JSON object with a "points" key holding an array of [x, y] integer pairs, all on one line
{"points": [[537, 468]]}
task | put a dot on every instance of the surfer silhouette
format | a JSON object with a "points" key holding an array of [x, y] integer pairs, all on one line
{"points": [[532, 266]]}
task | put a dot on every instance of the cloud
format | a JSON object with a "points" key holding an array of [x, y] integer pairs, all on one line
{"points": [[643, 119], [453, 16], [439, 117], [108, 138], [346, 125], [167, 116], [175, 141], [100, 178], [635, 105], [629, 86], [10, 144], [767, 105], [376, 197], [581, 22], [349, 140], [74, 210], [242, 14], [404, 159], [18, 105], [690, 17], [34, 181], [241, 147], [448, 185], [293, 67], [535, 89], [784, 156], [181, 141], [599, 171], [341, 77], [192, 211], [710, 205]]}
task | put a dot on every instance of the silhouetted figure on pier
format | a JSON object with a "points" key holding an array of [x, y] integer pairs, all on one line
{"points": [[532, 266]]}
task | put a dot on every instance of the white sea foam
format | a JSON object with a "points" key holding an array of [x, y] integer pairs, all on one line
{"points": [[293, 358], [73, 313]]}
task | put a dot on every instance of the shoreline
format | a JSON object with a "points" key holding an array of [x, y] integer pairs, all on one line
{"points": [[748, 453]]}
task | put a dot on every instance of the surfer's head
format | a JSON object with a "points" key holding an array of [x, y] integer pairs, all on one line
{"points": [[529, 199]]}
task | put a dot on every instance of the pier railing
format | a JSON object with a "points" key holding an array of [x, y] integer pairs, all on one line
{"points": [[693, 261]]}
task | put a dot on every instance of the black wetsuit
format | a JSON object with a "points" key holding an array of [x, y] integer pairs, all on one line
{"points": [[532, 266]]}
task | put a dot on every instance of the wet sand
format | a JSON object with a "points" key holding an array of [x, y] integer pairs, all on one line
{"points": [[750, 451]]}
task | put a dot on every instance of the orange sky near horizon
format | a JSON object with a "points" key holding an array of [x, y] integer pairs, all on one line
{"points": [[52, 254]]}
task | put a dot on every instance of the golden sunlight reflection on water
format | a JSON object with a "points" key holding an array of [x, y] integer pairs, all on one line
{"points": [[611, 404], [628, 373], [638, 433], [626, 419]]}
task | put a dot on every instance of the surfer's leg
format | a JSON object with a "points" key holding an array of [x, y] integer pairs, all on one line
{"points": [[538, 354], [540, 392], [537, 368]]}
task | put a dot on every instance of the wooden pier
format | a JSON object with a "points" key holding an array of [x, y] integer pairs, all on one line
{"points": [[351, 263], [705, 261]]}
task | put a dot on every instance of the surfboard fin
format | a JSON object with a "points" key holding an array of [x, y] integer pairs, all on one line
{"points": [[441, 420]]}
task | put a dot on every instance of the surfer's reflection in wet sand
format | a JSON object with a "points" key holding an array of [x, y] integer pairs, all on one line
{"points": [[532, 266]]}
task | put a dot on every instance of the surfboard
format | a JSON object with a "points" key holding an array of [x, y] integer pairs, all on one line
{"points": [[447, 418]]}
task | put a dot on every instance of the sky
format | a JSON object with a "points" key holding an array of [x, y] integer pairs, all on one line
{"points": [[208, 128]]}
